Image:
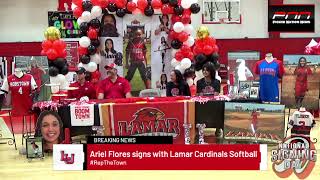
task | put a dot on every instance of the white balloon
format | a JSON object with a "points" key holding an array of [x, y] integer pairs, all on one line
{"points": [[188, 28], [178, 27], [186, 4], [73, 6], [173, 52], [86, 16], [193, 1], [174, 62], [84, 42], [96, 11], [92, 66], [96, 58], [189, 42], [80, 65], [85, 66], [80, 21], [179, 68], [185, 63], [61, 78]]}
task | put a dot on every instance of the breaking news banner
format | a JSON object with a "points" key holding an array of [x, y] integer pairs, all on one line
{"points": [[130, 140], [160, 157]]}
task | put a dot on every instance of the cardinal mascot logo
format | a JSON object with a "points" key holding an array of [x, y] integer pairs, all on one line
{"points": [[149, 122]]}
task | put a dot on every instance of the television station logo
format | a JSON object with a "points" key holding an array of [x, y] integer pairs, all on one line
{"points": [[291, 18], [68, 157], [294, 155]]}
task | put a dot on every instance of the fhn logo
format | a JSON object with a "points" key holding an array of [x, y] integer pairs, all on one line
{"points": [[294, 155], [68, 157]]}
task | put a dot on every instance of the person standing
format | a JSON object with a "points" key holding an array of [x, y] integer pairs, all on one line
{"points": [[114, 86], [177, 86], [136, 51], [37, 72]]}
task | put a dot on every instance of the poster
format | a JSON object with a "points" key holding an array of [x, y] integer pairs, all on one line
{"points": [[151, 119], [248, 122], [65, 22], [300, 85], [160, 51], [72, 55], [137, 51], [38, 67]]}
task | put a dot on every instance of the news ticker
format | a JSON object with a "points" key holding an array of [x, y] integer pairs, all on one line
{"points": [[145, 153]]}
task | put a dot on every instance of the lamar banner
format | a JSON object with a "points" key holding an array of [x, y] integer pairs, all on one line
{"points": [[65, 22], [150, 119]]}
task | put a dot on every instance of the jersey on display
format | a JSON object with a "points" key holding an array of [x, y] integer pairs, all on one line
{"points": [[21, 89], [269, 76], [301, 123]]}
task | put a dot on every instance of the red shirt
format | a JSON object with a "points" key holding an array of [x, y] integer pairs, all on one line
{"points": [[87, 89], [115, 90], [137, 50], [37, 74]]}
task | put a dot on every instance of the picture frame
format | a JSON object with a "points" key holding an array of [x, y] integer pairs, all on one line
{"points": [[244, 87], [254, 92], [221, 12], [34, 148]]}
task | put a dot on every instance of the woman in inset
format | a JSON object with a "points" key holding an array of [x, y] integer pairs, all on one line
{"points": [[209, 85], [50, 127], [162, 84], [177, 86], [164, 25], [111, 56], [164, 46], [301, 86], [109, 26]]}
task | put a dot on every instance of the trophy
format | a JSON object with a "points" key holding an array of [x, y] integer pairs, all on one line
{"points": [[201, 128], [98, 130], [187, 139]]}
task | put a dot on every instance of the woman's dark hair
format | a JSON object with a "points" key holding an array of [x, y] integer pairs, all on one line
{"points": [[39, 124], [209, 66], [166, 81], [161, 20], [114, 21], [112, 49], [301, 58], [179, 77]]}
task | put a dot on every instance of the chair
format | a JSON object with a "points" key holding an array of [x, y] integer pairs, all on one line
{"points": [[150, 93]]}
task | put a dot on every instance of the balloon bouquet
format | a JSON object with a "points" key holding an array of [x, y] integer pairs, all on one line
{"points": [[55, 49]]}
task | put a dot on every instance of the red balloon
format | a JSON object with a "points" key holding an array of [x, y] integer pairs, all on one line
{"points": [[92, 33], [131, 6], [95, 2], [186, 19], [211, 41], [77, 12], [197, 50], [183, 36], [175, 19], [103, 3], [156, 4], [179, 56], [199, 43], [52, 54], [207, 50], [46, 44], [166, 9], [59, 45], [190, 55], [77, 2], [185, 49], [173, 35], [43, 53], [215, 49], [142, 4], [121, 3], [82, 50], [62, 54], [187, 11]]}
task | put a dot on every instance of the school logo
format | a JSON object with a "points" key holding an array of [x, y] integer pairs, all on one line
{"points": [[149, 121], [68, 157], [294, 155]]}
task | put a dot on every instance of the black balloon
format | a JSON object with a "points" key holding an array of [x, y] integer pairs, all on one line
{"points": [[53, 71], [173, 2], [201, 59], [85, 59], [87, 5], [176, 44], [59, 63], [178, 10], [95, 42], [112, 7], [84, 27], [95, 23], [121, 12], [190, 72], [195, 8], [83, 33], [92, 49], [164, 1], [149, 11], [64, 70]]}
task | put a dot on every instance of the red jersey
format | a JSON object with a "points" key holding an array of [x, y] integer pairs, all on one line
{"points": [[37, 75], [20, 88], [87, 89], [115, 90], [137, 50], [301, 85]]}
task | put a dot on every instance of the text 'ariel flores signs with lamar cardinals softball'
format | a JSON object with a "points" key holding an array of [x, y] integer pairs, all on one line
{"points": [[173, 154]]}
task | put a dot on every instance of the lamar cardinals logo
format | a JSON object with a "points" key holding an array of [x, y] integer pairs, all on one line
{"points": [[295, 155], [150, 121]]}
